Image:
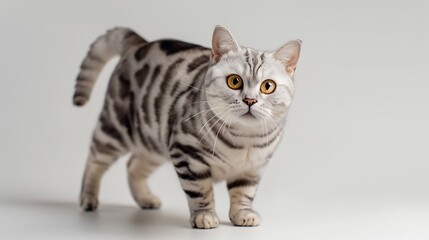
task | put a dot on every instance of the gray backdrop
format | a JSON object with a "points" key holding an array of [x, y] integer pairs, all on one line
{"points": [[354, 162]]}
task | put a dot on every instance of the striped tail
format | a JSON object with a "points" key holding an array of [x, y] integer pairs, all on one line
{"points": [[114, 42]]}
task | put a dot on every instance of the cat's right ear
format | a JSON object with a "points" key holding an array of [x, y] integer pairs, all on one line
{"points": [[222, 43]]}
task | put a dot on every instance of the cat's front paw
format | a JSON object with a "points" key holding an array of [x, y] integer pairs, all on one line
{"points": [[204, 220], [245, 218], [88, 202]]}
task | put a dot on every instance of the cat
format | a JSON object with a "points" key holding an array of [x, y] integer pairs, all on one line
{"points": [[218, 114]]}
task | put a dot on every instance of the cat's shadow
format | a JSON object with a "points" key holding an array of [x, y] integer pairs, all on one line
{"points": [[108, 218]]}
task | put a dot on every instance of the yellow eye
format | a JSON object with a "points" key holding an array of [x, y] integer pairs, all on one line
{"points": [[268, 86], [234, 81]]}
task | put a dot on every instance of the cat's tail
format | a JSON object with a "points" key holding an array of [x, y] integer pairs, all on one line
{"points": [[114, 42]]}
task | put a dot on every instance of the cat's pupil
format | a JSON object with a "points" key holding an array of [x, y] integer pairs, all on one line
{"points": [[235, 81], [267, 85]]}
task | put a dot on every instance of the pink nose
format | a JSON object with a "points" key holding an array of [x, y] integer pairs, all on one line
{"points": [[250, 101]]}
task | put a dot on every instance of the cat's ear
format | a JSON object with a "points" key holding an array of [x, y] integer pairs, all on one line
{"points": [[288, 54], [222, 43]]}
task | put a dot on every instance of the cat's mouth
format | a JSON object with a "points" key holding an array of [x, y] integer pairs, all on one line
{"points": [[249, 115]]}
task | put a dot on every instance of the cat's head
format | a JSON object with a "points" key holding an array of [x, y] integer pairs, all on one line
{"points": [[247, 86]]}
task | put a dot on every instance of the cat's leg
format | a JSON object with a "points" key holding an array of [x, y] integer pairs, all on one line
{"points": [[195, 179], [104, 152], [140, 166], [242, 191]]}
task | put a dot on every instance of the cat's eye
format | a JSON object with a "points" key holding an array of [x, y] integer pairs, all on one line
{"points": [[268, 86], [234, 81]]}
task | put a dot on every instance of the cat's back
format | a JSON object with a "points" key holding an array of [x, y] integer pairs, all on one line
{"points": [[165, 51], [165, 77], [164, 62]]}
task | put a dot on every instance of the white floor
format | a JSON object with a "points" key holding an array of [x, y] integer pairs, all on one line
{"points": [[286, 214], [41, 219]]}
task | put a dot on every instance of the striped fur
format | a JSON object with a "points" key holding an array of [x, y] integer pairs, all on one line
{"points": [[168, 100]]}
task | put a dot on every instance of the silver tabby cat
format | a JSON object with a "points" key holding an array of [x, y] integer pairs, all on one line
{"points": [[217, 114]]}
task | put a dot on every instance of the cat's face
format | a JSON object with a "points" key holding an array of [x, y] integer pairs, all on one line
{"points": [[249, 87]]}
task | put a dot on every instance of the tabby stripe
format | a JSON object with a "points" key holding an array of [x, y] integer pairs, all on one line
{"points": [[131, 34], [159, 100], [176, 155], [132, 38], [81, 79], [154, 145], [265, 144], [192, 86], [141, 75], [81, 93], [188, 128], [95, 58], [198, 62], [192, 176], [190, 151], [108, 128], [174, 88], [181, 163], [215, 129], [170, 46], [260, 65], [247, 54], [84, 67], [229, 144], [242, 183], [203, 205], [124, 86], [145, 103], [107, 148], [249, 197], [142, 52], [255, 63], [193, 194], [224, 140], [171, 119], [197, 77], [211, 153], [132, 114], [123, 117], [140, 130]]}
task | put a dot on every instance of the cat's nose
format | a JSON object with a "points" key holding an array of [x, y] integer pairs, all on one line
{"points": [[250, 101]]}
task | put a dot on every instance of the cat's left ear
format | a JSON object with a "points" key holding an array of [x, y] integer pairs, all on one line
{"points": [[288, 54], [222, 43]]}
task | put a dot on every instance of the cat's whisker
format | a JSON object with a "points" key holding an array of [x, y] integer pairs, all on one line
{"points": [[220, 101], [214, 115], [171, 84], [223, 124], [226, 121], [264, 130], [201, 112], [276, 125], [210, 128], [230, 135]]}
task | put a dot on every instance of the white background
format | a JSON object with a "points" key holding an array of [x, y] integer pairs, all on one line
{"points": [[354, 164]]}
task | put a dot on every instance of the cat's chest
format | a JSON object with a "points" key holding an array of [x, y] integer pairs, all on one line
{"points": [[239, 161]]}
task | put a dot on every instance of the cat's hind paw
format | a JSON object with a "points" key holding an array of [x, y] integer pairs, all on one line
{"points": [[245, 218], [204, 220], [149, 202]]}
